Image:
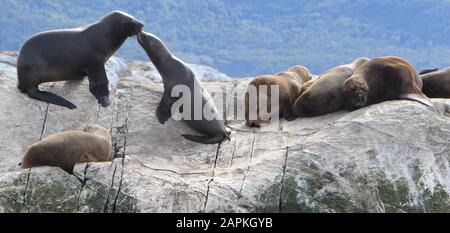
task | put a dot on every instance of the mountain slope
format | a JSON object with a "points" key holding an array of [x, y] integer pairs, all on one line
{"points": [[246, 38]]}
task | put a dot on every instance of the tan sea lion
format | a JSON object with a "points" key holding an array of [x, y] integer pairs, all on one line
{"points": [[290, 85], [66, 149]]}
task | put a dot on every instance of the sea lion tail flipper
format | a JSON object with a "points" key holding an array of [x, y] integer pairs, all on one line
{"points": [[428, 71], [204, 140], [421, 98], [50, 98]]}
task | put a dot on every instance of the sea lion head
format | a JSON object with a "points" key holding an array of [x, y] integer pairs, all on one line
{"points": [[153, 46], [301, 71], [298, 69], [97, 130], [360, 61], [148, 41], [124, 23], [93, 128], [355, 93]]}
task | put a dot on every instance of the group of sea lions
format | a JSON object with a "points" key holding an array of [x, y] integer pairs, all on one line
{"points": [[73, 54], [352, 86]]}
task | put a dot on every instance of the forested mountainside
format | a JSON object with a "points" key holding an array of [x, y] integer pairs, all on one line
{"points": [[246, 38]]}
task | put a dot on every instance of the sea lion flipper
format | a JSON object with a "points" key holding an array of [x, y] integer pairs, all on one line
{"points": [[50, 98], [163, 112], [98, 83], [428, 71], [203, 139], [288, 113], [418, 98]]}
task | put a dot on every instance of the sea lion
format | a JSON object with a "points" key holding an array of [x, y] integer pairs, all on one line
{"points": [[324, 95], [72, 54], [290, 85], [382, 79], [175, 72], [436, 83], [66, 149], [308, 84]]}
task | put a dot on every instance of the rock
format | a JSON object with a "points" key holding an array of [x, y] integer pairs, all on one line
{"points": [[8, 58], [390, 157], [117, 68], [204, 73], [8, 61]]}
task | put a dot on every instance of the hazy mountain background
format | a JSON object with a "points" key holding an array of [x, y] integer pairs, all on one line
{"points": [[251, 37]]}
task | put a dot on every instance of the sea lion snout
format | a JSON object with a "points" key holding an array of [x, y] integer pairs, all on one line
{"points": [[134, 27], [138, 26], [361, 98], [357, 100]]}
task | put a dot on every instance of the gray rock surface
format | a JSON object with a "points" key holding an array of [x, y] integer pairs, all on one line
{"points": [[147, 70], [390, 157], [117, 68]]}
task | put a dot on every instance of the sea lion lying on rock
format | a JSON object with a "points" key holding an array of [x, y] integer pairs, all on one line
{"points": [[66, 149], [382, 79], [324, 95], [436, 83], [290, 85]]}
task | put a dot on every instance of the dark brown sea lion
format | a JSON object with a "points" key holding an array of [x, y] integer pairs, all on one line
{"points": [[382, 79], [175, 72], [436, 83], [72, 54]]}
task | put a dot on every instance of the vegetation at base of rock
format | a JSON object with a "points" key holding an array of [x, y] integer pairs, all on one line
{"points": [[437, 201], [394, 194], [323, 201], [397, 198]]}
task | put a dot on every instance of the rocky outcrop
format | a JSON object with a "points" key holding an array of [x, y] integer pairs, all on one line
{"points": [[390, 157]]}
